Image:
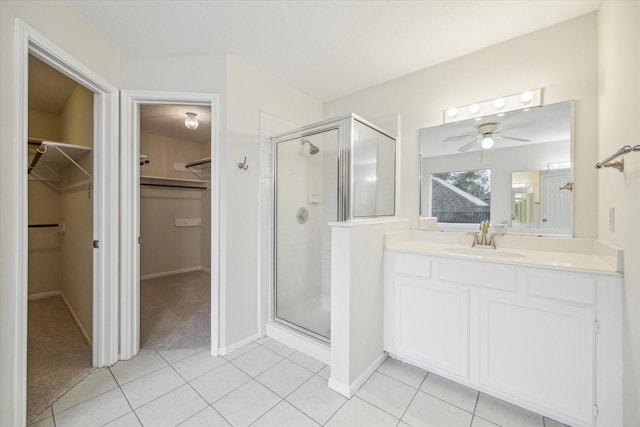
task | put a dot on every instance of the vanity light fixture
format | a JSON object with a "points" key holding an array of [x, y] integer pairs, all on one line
{"points": [[191, 122], [504, 104]]}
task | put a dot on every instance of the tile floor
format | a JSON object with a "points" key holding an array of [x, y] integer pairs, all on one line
{"points": [[269, 384]]}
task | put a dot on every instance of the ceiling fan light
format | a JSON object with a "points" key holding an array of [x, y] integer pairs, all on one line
{"points": [[191, 122], [487, 142]]}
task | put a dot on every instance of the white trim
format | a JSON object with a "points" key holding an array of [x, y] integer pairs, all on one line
{"points": [[301, 343], [44, 295], [349, 390], [130, 214], [170, 273], [84, 333], [235, 346], [14, 221], [339, 388]]}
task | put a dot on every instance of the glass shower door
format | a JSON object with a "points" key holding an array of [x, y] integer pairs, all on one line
{"points": [[306, 201]]}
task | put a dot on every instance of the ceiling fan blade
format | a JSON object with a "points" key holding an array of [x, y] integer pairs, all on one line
{"points": [[514, 138], [458, 137], [469, 145]]}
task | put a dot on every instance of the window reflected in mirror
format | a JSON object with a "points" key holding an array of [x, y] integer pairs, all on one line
{"points": [[461, 197]]}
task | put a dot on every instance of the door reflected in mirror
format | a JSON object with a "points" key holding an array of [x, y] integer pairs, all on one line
{"points": [[539, 203], [530, 164]]}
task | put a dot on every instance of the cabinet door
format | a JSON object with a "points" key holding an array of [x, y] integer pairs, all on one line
{"points": [[539, 351], [432, 324]]}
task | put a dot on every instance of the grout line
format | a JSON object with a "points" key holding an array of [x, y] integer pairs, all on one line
{"points": [[125, 398]]}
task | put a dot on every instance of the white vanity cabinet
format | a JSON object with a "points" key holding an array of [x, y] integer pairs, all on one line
{"points": [[545, 339]]}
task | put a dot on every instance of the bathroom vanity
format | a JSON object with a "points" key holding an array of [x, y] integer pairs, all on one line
{"points": [[536, 322]]}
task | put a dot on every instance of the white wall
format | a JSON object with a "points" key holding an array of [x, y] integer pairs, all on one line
{"points": [[165, 248], [561, 59], [619, 33], [61, 23], [250, 91]]}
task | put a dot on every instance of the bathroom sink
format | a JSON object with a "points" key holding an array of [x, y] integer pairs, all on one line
{"points": [[484, 253]]}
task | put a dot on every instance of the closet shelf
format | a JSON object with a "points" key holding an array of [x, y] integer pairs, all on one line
{"points": [[198, 162], [52, 157], [158, 181]]}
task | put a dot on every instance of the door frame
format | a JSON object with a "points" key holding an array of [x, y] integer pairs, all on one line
{"points": [[105, 211], [130, 101]]}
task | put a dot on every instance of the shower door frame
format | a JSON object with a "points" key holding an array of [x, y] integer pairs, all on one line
{"points": [[342, 125]]}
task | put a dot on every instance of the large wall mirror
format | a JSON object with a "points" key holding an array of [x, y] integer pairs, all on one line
{"points": [[514, 169]]}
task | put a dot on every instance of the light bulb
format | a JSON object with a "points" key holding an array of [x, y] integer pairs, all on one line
{"points": [[498, 103], [474, 108], [452, 112], [191, 122], [526, 97], [487, 142]]}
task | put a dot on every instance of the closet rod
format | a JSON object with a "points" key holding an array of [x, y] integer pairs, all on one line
{"points": [[43, 225], [186, 187]]}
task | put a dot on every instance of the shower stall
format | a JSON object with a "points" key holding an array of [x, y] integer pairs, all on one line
{"points": [[328, 172]]}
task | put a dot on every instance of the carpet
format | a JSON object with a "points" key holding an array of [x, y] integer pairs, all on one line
{"points": [[175, 311], [58, 357]]}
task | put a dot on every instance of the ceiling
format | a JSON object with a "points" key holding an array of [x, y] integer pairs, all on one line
{"points": [[48, 89], [327, 49], [168, 120]]}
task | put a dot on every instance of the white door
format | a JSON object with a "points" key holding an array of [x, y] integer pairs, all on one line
{"points": [[539, 352], [555, 204], [432, 324]]}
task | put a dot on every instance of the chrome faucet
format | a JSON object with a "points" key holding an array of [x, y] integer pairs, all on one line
{"points": [[480, 238]]}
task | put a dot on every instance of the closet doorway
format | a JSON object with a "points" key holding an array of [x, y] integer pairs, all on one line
{"points": [[169, 264], [60, 234], [175, 223]]}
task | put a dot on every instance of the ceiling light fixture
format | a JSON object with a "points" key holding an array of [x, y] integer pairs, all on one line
{"points": [[504, 104], [487, 142], [191, 122]]}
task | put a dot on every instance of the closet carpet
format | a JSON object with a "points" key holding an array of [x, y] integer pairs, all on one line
{"points": [[58, 357], [175, 311]]}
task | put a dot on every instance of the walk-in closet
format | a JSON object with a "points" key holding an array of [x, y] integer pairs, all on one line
{"points": [[60, 218], [175, 227]]}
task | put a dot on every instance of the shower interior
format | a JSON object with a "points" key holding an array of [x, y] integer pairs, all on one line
{"points": [[324, 173]]}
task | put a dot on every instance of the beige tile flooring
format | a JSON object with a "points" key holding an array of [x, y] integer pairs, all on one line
{"points": [[269, 384]]}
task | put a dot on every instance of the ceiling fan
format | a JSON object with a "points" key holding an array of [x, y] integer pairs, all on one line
{"points": [[487, 136]]}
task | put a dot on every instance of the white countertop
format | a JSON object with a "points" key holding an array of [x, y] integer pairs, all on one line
{"points": [[569, 261]]}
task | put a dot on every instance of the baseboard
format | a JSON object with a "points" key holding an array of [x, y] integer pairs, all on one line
{"points": [[349, 390], [43, 295], [170, 273], [233, 347], [206, 269], [86, 336]]}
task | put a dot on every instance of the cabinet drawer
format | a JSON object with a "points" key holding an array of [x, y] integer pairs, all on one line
{"points": [[475, 273], [562, 287], [414, 265]]}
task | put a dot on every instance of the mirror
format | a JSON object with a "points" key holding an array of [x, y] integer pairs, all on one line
{"points": [[526, 156]]}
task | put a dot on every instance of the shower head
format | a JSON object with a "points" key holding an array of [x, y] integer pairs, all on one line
{"points": [[312, 148]]}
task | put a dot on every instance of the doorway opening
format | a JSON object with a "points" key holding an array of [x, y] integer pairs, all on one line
{"points": [[171, 249], [60, 218], [175, 223]]}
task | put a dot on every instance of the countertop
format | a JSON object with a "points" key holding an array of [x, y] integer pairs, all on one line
{"points": [[569, 261]]}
